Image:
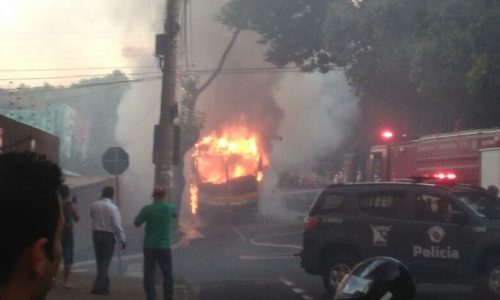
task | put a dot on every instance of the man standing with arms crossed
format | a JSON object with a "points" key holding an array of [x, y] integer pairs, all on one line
{"points": [[106, 224], [158, 218]]}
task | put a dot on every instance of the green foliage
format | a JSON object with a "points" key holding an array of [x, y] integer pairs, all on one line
{"points": [[291, 28], [191, 120], [416, 65], [189, 117]]}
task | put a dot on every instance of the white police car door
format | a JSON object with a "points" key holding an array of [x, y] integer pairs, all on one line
{"points": [[438, 247]]}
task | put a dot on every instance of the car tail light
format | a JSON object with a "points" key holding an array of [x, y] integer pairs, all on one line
{"points": [[311, 222]]}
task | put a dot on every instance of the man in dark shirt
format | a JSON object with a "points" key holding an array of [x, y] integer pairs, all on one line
{"points": [[71, 214], [158, 218]]}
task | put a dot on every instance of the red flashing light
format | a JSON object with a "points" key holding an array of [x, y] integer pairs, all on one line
{"points": [[439, 176], [387, 135], [445, 176]]}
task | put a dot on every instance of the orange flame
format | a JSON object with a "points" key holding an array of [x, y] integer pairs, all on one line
{"points": [[260, 176], [233, 153], [193, 191]]}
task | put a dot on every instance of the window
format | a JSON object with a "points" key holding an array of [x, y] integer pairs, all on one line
{"points": [[383, 204], [432, 208], [332, 202], [486, 205], [329, 201], [376, 166]]}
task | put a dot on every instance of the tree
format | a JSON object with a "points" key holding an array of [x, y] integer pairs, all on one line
{"points": [[190, 120], [415, 65], [293, 29]]}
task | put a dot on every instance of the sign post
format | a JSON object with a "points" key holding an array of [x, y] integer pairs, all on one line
{"points": [[115, 161]]}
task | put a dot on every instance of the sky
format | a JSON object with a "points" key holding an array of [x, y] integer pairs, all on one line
{"points": [[89, 37]]}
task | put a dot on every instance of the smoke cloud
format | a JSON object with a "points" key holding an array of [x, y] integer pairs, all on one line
{"points": [[301, 116], [319, 110]]}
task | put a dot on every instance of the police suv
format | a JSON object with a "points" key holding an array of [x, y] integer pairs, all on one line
{"points": [[443, 234]]}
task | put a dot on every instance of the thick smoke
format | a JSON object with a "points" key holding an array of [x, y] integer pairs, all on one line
{"points": [[319, 110], [138, 113], [232, 98], [244, 98], [139, 109], [301, 116]]}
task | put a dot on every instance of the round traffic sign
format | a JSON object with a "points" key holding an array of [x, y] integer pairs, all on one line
{"points": [[115, 160]]}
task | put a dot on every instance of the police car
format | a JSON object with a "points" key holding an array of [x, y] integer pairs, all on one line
{"points": [[442, 233]]}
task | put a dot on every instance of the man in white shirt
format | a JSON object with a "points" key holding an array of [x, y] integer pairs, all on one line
{"points": [[106, 224]]}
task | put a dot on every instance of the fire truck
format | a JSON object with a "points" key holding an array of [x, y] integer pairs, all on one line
{"points": [[473, 156]]}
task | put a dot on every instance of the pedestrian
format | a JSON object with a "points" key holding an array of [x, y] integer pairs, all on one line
{"points": [[106, 225], [31, 224], [158, 218], [71, 214], [492, 190]]}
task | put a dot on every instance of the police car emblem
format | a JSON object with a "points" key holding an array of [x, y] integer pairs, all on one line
{"points": [[436, 234], [380, 234]]}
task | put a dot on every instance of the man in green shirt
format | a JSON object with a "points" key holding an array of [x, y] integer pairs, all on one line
{"points": [[158, 218]]}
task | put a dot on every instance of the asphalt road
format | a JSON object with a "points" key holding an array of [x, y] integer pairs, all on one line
{"points": [[256, 261], [252, 260]]}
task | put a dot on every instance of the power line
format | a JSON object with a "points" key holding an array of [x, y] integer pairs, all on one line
{"points": [[101, 49], [73, 69], [78, 76], [266, 70], [227, 70], [108, 56], [111, 32]]}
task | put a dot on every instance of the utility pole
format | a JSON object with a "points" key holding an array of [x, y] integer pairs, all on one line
{"points": [[166, 50]]}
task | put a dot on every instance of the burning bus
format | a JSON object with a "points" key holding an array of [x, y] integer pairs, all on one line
{"points": [[226, 172]]}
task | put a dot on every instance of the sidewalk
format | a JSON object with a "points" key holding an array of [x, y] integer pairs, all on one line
{"points": [[122, 288]]}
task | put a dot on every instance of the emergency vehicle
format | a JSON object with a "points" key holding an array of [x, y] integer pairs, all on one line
{"points": [[473, 156], [443, 233]]}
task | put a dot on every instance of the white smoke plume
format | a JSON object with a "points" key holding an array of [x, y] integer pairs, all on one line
{"points": [[319, 110], [311, 112]]}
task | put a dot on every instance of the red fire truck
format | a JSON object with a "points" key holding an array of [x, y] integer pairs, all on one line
{"points": [[473, 156]]}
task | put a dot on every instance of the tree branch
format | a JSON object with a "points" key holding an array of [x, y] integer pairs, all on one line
{"points": [[217, 71]]}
